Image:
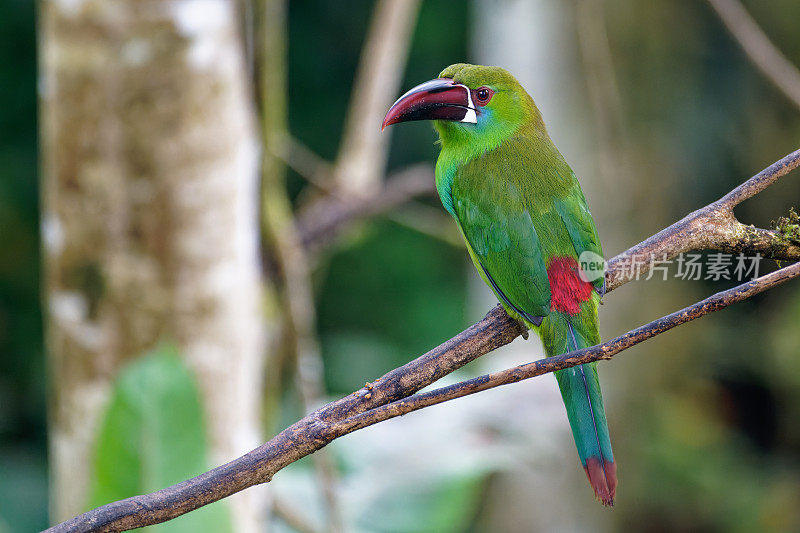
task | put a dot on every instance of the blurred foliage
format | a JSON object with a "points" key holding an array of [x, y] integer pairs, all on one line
{"points": [[440, 501], [447, 505], [23, 483], [21, 366], [708, 432], [370, 320], [153, 435]]}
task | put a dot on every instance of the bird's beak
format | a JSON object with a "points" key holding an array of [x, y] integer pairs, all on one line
{"points": [[439, 99]]}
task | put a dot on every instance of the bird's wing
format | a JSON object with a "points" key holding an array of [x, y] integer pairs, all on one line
{"points": [[504, 242], [579, 223]]}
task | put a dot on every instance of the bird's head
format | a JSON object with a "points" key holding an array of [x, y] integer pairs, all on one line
{"points": [[468, 103]]}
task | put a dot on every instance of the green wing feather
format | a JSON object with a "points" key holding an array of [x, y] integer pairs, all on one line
{"points": [[579, 223], [505, 246], [515, 220]]}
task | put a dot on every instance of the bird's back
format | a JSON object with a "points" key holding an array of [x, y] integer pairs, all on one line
{"points": [[520, 207]]}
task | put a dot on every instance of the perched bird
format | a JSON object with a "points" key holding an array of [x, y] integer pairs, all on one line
{"points": [[527, 228]]}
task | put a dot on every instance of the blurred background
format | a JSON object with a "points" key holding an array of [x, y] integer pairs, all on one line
{"points": [[159, 315]]}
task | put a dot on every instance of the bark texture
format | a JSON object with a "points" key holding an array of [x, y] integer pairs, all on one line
{"points": [[149, 219]]}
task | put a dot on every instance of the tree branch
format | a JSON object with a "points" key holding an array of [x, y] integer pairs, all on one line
{"points": [[362, 155], [427, 220], [711, 227], [603, 351], [323, 222], [394, 394], [320, 222], [303, 160]]}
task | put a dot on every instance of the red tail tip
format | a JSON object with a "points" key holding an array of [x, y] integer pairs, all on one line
{"points": [[603, 478]]}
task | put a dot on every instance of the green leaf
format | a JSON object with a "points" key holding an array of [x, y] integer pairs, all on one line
{"points": [[153, 436]]}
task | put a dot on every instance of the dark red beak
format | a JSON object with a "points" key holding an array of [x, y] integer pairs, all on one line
{"points": [[439, 99]]}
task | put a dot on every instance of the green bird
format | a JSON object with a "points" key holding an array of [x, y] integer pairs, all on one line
{"points": [[527, 228]]}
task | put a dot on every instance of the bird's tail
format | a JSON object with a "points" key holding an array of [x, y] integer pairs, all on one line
{"points": [[580, 389]]}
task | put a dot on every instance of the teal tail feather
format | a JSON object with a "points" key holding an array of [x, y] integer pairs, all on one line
{"points": [[580, 390]]}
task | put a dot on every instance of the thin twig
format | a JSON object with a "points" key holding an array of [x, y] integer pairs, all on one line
{"points": [[304, 161], [326, 216], [384, 397], [604, 97], [428, 221], [321, 224], [362, 155], [755, 43], [292, 517]]}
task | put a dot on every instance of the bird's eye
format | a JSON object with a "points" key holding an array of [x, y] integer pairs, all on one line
{"points": [[483, 95]]}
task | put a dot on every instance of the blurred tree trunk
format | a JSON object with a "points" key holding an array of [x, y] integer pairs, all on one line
{"points": [[150, 223]]}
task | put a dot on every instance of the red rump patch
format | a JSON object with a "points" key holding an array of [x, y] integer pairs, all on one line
{"points": [[567, 289]]}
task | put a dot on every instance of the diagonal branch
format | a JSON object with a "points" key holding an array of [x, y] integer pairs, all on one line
{"points": [[328, 216], [711, 227], [603, 351], [394, 394]]}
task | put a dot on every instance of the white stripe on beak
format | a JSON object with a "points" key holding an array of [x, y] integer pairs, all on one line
{"points": [[471, 117]]}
